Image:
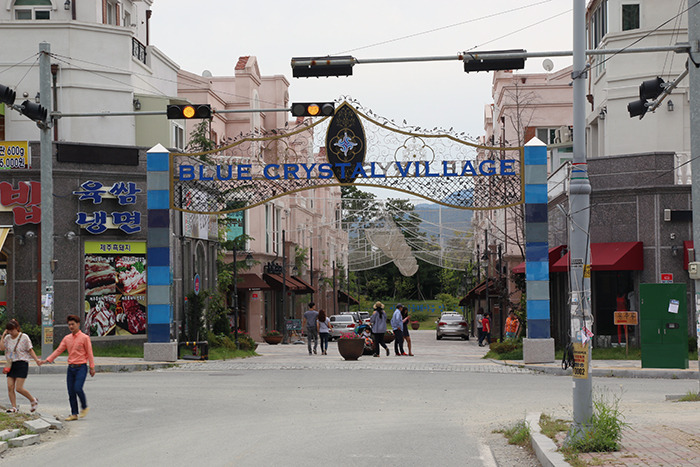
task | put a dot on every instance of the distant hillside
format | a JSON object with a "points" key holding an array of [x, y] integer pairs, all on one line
{"points": [[451, 219]]}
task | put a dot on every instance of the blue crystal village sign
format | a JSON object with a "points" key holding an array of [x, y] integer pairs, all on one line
{"points": [[356, 147]]}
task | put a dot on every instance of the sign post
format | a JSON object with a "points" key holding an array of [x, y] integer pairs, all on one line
{"points": [[627, 318]]}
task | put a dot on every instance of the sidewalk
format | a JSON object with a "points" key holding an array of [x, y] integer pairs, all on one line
{"points": [[611, 368], [102, 365]]}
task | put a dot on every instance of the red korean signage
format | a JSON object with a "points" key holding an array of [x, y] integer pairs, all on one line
{"points": [[25, 201]]}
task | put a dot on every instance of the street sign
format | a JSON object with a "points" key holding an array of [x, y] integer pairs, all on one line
{"points": [[666, 278], [197, 284], [628, 318]]}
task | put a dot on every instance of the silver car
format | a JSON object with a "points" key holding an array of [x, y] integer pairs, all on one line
{"points": [[342, 324], [452, 325]]}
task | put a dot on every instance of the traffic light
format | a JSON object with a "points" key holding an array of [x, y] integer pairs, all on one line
{"points": [[33, 111], [322, 66], [472, 61], [313, 109], [188, 111], [649, 89], [7, 95]]}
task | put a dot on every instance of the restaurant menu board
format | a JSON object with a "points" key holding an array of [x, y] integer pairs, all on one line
{"points": [[115, 288]]}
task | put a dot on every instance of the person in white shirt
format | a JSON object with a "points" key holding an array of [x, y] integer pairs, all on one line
{"points": [[323, 326], [18, 350]]}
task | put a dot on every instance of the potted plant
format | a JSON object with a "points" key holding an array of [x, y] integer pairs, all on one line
{"points": [[351, 346], [415, 325], [388, 336], [272, 337]]}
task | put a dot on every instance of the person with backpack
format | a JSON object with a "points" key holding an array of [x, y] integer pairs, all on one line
{"points": [[18, 350]]}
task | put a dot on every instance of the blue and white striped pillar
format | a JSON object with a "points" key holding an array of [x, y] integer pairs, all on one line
{"points": [[538, 346], [160, 309]]}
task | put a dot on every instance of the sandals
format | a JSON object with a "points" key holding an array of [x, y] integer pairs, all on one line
{"points": [[12, 410], [35, 403]]}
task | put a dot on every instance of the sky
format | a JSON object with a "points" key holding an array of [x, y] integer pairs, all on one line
{"points": [[212, 34]]}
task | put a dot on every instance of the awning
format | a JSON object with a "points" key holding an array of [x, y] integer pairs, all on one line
{"points": [[476, 292], [687, 245], [251, 281], [276, 281], [614, 256], [554, 256], [307, 287], [4, 231], [344, 297]]}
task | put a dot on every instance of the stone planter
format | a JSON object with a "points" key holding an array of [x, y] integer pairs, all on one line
{"points": [[351, 349], [388, 337], [273, 340], [415, 325]]}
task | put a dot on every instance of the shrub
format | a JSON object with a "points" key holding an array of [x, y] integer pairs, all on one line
{"points": [[518, 434], [603, 431], [245, 342], [419, 316], [33, 331]]}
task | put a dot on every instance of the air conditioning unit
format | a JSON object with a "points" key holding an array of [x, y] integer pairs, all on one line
{"points": [[563, 134]]}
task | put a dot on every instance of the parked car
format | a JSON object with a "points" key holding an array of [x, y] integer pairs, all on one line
{"points": [[452, 325], [364, 316], [342, 324]]}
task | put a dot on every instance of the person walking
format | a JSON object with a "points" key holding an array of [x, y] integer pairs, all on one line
{"points": [[378, 323], [397, 326], [486, 334], [79, 357], [323, 325], [310, 318], [512, 325], [406, 335], [18, 350], [479, 325]]}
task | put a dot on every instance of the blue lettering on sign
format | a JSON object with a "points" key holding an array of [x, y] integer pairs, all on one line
{"points": [[325, 171]]}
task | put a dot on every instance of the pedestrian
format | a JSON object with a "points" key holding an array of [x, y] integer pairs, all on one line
{"points": [[406, 335], [397, 326], [79, 357], [310, 318], [486, 334], [512, 325], [323, 325], [378, 323], [479, 325], [18, 350]]}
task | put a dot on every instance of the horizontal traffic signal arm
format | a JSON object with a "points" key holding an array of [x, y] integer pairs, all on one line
{"points": [[188, 111]]}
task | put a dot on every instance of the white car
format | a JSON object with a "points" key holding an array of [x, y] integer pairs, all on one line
{"points": [[342, 324]]}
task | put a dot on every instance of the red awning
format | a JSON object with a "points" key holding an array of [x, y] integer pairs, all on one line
{"points": [[687, 245], [275, 281], [306, 285], [477, 292], [302, 287], [344, 297], [251, 281], [614, 256], [554, 256]]}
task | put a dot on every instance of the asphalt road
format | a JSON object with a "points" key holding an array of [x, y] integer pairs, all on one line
{"points": [[289, 408]]}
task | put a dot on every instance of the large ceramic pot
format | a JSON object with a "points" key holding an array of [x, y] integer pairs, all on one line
{"points": [[388, 337], [351, 349], [273, 340], [415, 325]]}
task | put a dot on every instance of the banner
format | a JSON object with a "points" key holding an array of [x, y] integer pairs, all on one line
{"points": [[15, 155], [115, 288]]}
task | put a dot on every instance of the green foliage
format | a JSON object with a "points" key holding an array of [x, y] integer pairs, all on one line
{"points": [[603, 431], [519, 434], [506, 350], [194, 314], [690, 397], [118, 350], [300, 256], [551, 427], [200, 138], [692, 344], [33, 331], [420, 316], [448, 301]]}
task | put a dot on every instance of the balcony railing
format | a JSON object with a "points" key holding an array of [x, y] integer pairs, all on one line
{"points": [[138, 50]]}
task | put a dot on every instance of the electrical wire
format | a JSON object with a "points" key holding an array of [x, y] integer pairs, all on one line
{"points": [[36, 56]]}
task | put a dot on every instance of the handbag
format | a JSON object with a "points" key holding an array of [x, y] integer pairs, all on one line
{"points": [[8, 362]]}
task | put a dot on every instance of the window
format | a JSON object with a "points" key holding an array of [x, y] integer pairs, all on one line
{"points": [[178, 140], [547, 135], [32, 9], [630, 17], [127, 19], [598, 24]]}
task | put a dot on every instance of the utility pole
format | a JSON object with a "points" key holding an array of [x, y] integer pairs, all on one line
{"points": [[579, 203], [694, 89], [46, 177]]}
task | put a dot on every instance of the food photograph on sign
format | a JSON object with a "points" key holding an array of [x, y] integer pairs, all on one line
{"points": [[115, 294]]}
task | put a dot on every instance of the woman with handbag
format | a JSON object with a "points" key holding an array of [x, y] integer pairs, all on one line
{"points": [[18, 350]]}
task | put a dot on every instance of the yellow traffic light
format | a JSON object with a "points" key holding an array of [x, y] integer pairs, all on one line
{"points": [[188, 111], [313, 110]]}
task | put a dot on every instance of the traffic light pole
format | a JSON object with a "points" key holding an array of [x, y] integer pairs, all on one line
{"points": [[47, 237], [579, 245], [694, 89]]}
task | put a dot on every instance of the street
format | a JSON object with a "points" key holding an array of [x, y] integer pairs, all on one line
{"points": [[288, 408]]}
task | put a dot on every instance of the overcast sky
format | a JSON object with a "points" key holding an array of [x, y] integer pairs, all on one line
{"points": [[212, 34]]}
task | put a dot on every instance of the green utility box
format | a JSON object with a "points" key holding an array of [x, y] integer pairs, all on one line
{"points": [[663, 321]]}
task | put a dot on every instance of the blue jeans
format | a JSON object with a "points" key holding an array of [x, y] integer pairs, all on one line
{"points": [[324, 340], [75, 379]]}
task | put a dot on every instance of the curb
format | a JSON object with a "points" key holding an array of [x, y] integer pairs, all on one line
{"points": [[652, 373], [53, 369], [545, 449]]}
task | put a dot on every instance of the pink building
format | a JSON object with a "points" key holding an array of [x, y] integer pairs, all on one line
{"points": [[308, 221]]}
